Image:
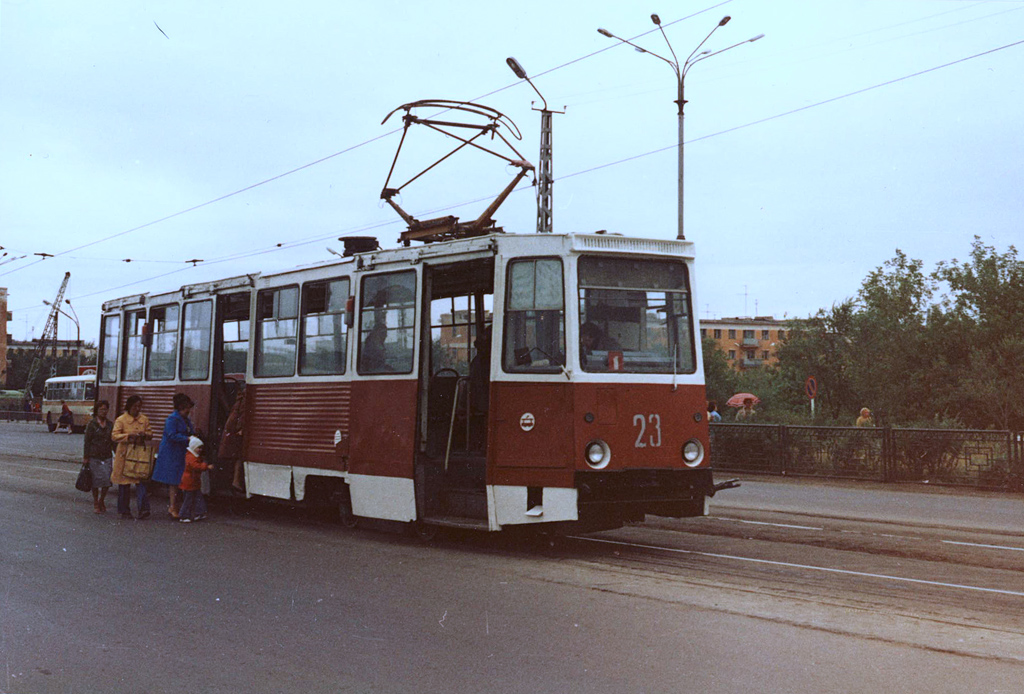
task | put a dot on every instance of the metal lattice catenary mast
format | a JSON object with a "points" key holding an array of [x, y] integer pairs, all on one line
{"points": [[49, 333]]}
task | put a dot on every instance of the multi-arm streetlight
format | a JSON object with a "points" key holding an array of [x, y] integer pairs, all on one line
{"points": [[681, 71]]}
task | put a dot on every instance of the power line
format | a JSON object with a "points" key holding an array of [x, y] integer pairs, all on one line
{"points": [[283, 246], [760, 121], [336, 154], [796, 110]]}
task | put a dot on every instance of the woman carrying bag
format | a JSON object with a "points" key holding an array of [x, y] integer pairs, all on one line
{"points": [[131, 432], [98, 454]]}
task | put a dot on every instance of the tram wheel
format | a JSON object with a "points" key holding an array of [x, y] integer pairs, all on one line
{"points": [[424, 532], [348, 519]]}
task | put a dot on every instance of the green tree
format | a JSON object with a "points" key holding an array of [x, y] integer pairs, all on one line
{"points": [[821, 346], [890, 336], [984, 338], [720, 378]]}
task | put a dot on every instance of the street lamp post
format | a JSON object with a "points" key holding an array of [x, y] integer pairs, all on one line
{"points": [[681, 71], [545, 177], [78, 338]]}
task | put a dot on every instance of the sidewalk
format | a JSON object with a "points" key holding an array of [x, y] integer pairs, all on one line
{"points": [[914, 504]]}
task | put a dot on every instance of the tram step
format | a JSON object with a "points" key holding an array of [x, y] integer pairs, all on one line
{"points": [[458, 522], [465, 503]]}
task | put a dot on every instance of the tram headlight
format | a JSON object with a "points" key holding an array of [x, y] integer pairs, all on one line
{"points": [[693, 453], [597, 454]]}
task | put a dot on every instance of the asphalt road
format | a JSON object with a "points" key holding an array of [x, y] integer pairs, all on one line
{"points": [[782, 589]]}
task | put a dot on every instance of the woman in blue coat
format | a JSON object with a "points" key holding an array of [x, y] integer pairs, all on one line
{"points": [[170, 459]]}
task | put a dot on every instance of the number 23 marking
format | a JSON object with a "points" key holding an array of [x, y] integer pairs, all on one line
{"points": [[655, 438]]}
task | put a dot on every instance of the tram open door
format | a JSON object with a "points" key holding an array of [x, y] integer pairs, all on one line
{"points": [[454, 401], [231, 348]]}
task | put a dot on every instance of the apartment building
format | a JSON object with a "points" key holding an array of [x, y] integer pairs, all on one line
{"points": [[749, 343]]}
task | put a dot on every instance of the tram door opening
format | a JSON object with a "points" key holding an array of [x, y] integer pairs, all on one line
{"points": [[231, 350], [455, 389]]}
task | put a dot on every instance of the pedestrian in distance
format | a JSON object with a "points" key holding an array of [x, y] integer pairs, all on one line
{"points": [[66, 419], [747, 412], [131, 428], [98, 454], [866, 419], [170, 459], [193, 508], [713, 415]]}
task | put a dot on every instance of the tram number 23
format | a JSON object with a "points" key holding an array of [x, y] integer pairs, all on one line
{"points": [[649, 430]]}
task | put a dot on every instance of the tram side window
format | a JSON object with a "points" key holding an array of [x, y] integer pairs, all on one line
{"points": [[109, 342], [277, 316], [387, 320], [634, 316], [195, 341], [535, 317], [134, 350], [163, 350], [234, 310], [324, 332]]}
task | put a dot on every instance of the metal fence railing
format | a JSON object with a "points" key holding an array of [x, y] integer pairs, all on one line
{"points": [[984, 459]]}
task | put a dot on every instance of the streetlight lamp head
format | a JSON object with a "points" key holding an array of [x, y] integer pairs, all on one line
{"points": [[656, 19], [605, 32], [759, 36], [516, 67], [725, 20], [46, 303]]}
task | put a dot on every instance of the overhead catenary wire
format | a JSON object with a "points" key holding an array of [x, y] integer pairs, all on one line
{"points": [[279, 247], [328, 157], [317, 239]]}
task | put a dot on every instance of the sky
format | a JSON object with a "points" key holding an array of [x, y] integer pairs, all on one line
{"points": [[249, 135]]}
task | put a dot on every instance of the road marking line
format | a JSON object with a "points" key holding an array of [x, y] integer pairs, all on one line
{"points": [[774, 525], [975, 544], [806, 566], [39, 467]]}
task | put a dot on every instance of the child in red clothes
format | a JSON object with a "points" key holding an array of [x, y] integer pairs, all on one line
{"points": [[193, 508]]}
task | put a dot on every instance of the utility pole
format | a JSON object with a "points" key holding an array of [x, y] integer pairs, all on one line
{"points": [[545, 175]]}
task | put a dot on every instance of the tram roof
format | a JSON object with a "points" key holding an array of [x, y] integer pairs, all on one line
{"points": [[506, 244]]}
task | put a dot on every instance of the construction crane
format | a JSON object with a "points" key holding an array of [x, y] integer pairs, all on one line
{"points": [[49, 333]]}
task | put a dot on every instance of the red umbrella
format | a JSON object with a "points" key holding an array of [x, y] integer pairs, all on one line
{"points": [[738, 399]]}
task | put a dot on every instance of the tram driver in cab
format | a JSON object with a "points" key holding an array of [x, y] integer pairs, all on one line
{"points": [[593, 338]]}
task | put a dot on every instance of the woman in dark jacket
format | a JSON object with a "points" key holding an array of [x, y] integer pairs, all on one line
{"points": [[99, 454], [170, 459]]}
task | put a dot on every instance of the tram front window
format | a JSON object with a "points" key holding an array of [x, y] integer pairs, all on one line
{"points": [[534, 317], [635, 316]]}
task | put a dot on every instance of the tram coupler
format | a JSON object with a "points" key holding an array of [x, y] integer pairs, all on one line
{"points": [[728, 484]]}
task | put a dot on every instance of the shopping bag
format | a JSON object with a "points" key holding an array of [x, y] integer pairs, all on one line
{"points": [[84, 481], [138, 462]]}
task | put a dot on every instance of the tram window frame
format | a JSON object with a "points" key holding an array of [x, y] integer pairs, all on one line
{"points": [[336, 317], [188, 367], [513, 358], [407, 312], [635, 315], [280, 318], [109, 345], [132, 343], [235, 323], [163, 343]]}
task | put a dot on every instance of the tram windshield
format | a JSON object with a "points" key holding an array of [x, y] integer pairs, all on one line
{"points": [[635, 316]]}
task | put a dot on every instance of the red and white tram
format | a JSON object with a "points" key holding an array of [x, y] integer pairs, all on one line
{"points": [[365, 378]]}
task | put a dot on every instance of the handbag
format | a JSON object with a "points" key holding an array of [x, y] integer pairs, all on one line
{"points": [[84, 481], [138, 462]]}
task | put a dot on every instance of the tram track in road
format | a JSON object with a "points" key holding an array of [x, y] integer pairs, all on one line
{"points": [[938, 603]]}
